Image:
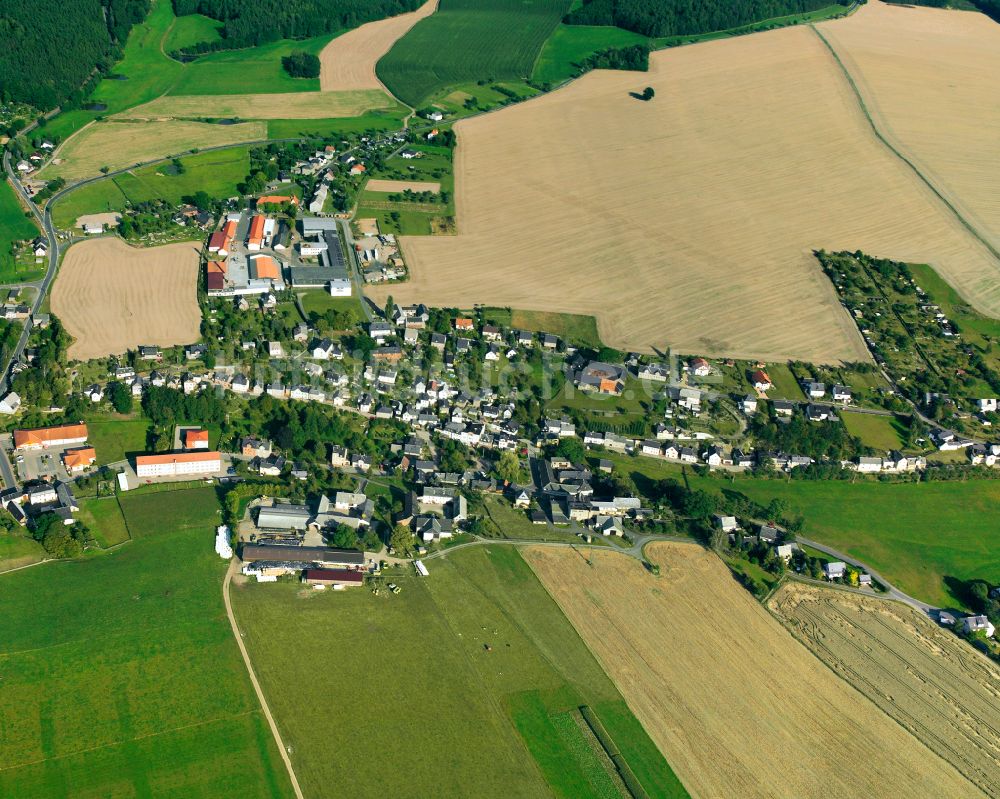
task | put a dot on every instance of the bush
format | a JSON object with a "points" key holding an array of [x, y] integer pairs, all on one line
{"points": [[301, 65]]}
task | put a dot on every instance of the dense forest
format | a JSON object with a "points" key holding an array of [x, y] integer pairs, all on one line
{"points": [[990, 8], [252, 22], [49, 49], [686, 17]]}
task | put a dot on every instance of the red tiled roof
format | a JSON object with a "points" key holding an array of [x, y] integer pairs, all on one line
{"points": [[80, 456], [194, 436], [43, 435], [176, 457]]}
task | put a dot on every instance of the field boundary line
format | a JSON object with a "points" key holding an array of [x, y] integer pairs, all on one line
{"points": [[282, 750], [892, 148], [29, 565], [126, 740]]}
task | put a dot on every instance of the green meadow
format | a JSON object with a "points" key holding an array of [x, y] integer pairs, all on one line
{"points": [[469, 40], [192, 29], [215, 172], [479, 680], [880, 432], [14, 226], [254, 70], [121, 677], [570, 45]]}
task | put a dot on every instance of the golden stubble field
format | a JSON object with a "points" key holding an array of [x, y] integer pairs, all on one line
{"points": [[931, 80], [112, 297], [737, 705], [348, 62], [293, 105], [934, 685], [117, 144], [689, 221]]}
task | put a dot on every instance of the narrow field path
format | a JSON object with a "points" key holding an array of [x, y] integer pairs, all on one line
{"points": [[981, 238], [233, 564]]}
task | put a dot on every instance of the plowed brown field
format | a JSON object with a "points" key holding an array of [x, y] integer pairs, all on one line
{"points": [[112, 297], [934, 685], [348, 62], [689, 221], [737, 705], [932, 88]]}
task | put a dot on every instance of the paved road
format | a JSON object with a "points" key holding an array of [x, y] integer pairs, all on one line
{"points": [[45, 224], [891, 591], [233, 566], [6, 470]]}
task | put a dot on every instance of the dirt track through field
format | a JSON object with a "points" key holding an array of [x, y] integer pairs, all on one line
{"points": [[932, 88], [348, 62], [112, 297], [933, 684], [737, 705], [689, 221]]}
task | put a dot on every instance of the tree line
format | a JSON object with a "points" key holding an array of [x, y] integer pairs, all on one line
{"points": [[53, 51], [687, 17], [247, 23]]}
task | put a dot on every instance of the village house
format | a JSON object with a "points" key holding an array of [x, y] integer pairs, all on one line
{"points": [[760, 380], [601, 378], [79, 459], [699, 367]]}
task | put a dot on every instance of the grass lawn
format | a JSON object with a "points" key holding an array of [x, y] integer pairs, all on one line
{"points": [[569, 45], [19, 550], [575, 328], [15, 225], [116, 437], [399, 221], [253, 70], [478, 674], [192, 29], [785, 386], [880, 432], [469, 40], [514, 523], [216, 172], [161, 512], [104, 517], [320, 302], [121, 678]]}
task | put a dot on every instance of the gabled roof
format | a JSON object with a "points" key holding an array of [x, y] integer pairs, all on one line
{"points": [[43, 435]]}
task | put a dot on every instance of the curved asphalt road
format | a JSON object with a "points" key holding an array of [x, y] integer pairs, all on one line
{"points": [[891, 591]]}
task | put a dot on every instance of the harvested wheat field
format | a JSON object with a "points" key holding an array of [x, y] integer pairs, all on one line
{"points": [[403, 185], [737, 706], [348, 62], [931, 78], [112, 297], [295, 105], [689, 220], [117, 144], [934, 685]]}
